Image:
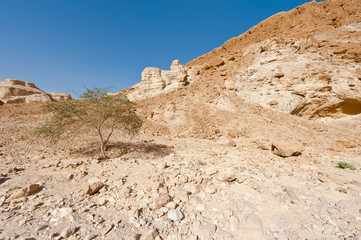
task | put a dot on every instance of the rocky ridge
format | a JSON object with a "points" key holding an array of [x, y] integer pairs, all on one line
{"points": [[289, 63]]}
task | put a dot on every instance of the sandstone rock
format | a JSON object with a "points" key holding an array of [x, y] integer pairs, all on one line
{"points": [[60, 213], [94, 187], [156, 81], [346, 144], [200, 207], [273, 102], [211, 189], [68, 232], [171, 205], [286, 148], [150, 235], [59, 96], [279, 75], [211, 171], [175, 215], [207, 230], [181, 195], [227, 175], [161, 201], [31, 189], [262, 144], [17, 91]]}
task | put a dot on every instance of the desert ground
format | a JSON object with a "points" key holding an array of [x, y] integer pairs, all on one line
{"points": [[243, 142]]}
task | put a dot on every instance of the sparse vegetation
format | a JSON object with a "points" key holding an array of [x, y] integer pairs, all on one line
{"points": [[200, 162], [344, 165], [95, 110]]}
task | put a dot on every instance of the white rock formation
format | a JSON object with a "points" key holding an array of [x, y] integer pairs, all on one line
{"points": [[300, 78], [156, 81], [17, 91]]}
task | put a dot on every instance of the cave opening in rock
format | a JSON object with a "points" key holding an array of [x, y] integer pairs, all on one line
{"points": [[351, 107]]}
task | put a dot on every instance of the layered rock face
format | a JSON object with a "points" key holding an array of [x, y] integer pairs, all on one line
{"points": [[315, 77], [16, 91], [156, 81]]}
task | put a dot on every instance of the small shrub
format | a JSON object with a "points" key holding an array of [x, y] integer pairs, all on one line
{"points": [[344, 165], [95, 111], [200, 162]]}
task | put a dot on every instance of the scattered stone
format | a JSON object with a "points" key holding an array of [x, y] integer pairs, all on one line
{"points": [[171, 205], [150, 235], [161, 201], [279, 75], [227, 176], [231, 144], [211, 189], [273, 102], [162, 165], [211, 171], [200, 207], [91, 236], [207, 230], [342, 190], [286, 148], [262, 144], [68, 231], [29, 190], [94, 187], [175, 215], [181, 195], [346, 144], [42, 227]]}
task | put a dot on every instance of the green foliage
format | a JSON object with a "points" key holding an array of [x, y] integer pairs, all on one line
{"points": [[95, 110], [345, 165], [200, 162]]}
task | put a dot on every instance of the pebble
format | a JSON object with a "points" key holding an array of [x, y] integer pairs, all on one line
{"points": [[211, 171], [200, 207], [68, 232], [175, 215]]}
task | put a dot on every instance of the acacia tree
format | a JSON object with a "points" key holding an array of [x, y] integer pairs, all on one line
{"points": [[95, 110]]}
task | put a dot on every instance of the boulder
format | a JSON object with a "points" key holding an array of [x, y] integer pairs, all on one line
{"points": [[284, 148], [24, 192], [94, 187]]}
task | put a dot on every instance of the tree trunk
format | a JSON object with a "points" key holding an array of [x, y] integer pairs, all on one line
{"points": [[102, 145], [102, 150]]}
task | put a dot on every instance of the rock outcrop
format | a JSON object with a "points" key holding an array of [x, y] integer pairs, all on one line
{"points": [[17, 91], [305, 62], [310, 78], [156, 81]]}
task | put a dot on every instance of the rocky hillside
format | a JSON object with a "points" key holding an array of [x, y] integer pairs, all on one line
{"points": [[305, 62]]}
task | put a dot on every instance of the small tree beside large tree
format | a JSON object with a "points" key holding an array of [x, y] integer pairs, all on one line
{"points": [[96, 111]]}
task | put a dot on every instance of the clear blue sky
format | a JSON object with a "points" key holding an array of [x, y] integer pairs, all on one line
{"points": [[63, 45]]}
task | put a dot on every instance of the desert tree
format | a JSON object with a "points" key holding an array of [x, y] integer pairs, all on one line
{"points": [[95, 110]]}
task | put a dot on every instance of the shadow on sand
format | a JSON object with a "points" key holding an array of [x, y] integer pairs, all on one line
{"points": [[118, 149]]}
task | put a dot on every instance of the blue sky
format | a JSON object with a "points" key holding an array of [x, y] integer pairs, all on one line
{"points": [[64, 45]]}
